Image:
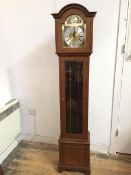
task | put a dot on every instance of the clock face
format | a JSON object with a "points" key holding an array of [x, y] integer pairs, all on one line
{"points": [[74, 32], [74, 36]]}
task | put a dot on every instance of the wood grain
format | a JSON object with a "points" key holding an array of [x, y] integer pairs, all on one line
{"points": [[1, 171]]}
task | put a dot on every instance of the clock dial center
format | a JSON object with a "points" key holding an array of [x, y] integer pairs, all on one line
{"points": [[74, 36]]}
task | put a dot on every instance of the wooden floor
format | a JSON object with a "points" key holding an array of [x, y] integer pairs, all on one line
{"points": [[31, 158]]}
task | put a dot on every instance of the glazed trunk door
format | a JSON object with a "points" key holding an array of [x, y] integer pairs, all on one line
{"points": [[74, 93]]}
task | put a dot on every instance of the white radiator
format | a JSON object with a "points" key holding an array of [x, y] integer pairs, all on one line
{"points": [[10, 128]]}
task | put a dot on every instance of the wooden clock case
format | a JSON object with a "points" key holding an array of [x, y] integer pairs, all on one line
{"points": [[74, 148], [1, 171]]}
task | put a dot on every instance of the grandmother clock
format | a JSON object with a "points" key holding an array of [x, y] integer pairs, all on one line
{"points": [[73, 34]]}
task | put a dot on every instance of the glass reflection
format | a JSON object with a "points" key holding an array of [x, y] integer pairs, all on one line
{"points": [[74, 96]]}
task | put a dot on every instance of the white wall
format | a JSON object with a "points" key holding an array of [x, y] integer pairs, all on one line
{"points": [[33, 72], [5, 56]]}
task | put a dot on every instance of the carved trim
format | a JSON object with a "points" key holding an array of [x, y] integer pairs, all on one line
{"points": [[73, 6], [85, 169], [73, 54]]}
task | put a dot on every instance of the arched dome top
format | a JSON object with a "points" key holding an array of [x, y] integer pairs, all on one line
{"points": [[73, 6]]}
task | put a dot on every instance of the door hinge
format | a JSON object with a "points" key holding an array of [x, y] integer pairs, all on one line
{"points": [[123, 49]]}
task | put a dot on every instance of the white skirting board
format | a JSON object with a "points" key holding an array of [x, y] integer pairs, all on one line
{"points": [[37, 138], [101, 148]]}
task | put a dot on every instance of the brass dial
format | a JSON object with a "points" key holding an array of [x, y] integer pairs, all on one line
{"points": [[74, 36], [74, 32]]}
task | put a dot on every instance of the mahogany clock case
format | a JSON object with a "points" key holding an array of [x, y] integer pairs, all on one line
{"points": [[1, 171], [61, 17], [74, 141]]}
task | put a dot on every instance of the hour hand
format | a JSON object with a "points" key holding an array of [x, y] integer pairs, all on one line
{"points": [[74, 33]]}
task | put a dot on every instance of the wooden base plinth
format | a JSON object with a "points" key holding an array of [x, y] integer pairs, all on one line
{"points": [[82, 169], [74, 155]]}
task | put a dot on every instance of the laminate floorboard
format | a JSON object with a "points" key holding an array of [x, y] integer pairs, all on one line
{"points": [[32, 158]]}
